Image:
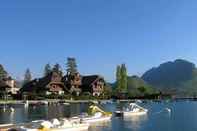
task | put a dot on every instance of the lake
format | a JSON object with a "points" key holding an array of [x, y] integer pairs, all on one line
{"points": [[183, 116]]}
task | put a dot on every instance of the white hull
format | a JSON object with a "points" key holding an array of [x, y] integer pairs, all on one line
{"points": [[5, 125], [135, 113], [81, 127], [93, 120], [78, 128]]}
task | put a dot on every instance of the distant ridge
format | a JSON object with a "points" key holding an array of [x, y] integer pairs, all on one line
{"points": [[179, 75]]}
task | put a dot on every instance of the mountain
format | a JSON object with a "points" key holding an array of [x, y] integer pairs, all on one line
{"points": [[179, 76]]}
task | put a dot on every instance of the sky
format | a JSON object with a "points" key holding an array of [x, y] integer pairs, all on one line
{"points": [[100, 34]]}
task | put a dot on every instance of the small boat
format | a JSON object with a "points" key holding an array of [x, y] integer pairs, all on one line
{"points": [[132, 110], [54, 125], [5, 127], [95, 114]]}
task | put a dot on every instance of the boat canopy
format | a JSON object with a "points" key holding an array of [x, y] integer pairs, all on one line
{"points": [[95, 109]]}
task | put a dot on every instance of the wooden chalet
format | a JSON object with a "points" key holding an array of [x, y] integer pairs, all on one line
{"points": [[8, 86], [50, 84], [73, 83], [93, 84], [4, 88]]}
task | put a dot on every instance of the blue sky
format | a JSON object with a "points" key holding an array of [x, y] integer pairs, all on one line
{"points": [[99, 33]]}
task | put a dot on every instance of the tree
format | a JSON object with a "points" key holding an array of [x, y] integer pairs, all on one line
{"points": [[121, 78], [71, 66], [47, 69], [27, 76], [57, 69], [118, 78], [142, 89], [3, 73], [107, 92], [123, 73]]}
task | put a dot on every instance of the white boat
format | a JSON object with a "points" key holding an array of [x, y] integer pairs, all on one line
{"points": [[96, 118], [132, 110], [55, 125], [96, 115]]}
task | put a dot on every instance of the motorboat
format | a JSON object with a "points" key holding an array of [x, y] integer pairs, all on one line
{"points": [[132, 110], [96, 114], [54, 125]]}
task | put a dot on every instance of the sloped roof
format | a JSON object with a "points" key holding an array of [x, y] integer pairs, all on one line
{"points": [[30, 86], [38, 84], [88, 80]]}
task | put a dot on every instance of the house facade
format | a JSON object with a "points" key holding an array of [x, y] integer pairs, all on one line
{"points": [[93, 84], [73, 83], [76, 84], [50, 84], [8, 85]]}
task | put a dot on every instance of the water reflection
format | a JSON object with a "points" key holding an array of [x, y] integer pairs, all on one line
{"points": [[135, 121], [101, 126], [183, 116]]}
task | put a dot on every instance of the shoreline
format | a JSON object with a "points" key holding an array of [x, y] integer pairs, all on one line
{"points": [[55, 101]]}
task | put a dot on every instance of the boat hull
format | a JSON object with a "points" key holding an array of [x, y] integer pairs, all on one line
{"points": [[94, 120], [134, 113], [80, 128]]}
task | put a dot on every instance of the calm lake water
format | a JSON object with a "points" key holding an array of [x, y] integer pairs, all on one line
{"points": [[183, 116]]}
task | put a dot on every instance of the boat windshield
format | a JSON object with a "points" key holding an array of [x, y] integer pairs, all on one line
{"points": [[133, 107]]}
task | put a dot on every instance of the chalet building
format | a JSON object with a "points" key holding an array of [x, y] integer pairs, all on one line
{"points": [[8, 85], [12, 83], [4, 88], [50, 84], [93, 84], [73, 83]]}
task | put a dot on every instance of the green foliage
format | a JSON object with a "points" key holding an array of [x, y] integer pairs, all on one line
{"points": [[136, 87], [57, 68], [189, 87], [118, 78], [107, 93], [47, 69], [123, 72], [71, 66], [121, 79], [142, 89], [3, 73]]}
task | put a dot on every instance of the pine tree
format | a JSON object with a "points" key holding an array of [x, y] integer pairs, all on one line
{"points": [[47, 69], [57, 69], [3, 73], [71, 66], [27, 76]]}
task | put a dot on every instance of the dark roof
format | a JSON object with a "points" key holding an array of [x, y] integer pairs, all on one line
{"points": [[87, 81], [38, 84], [30, 86]]}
